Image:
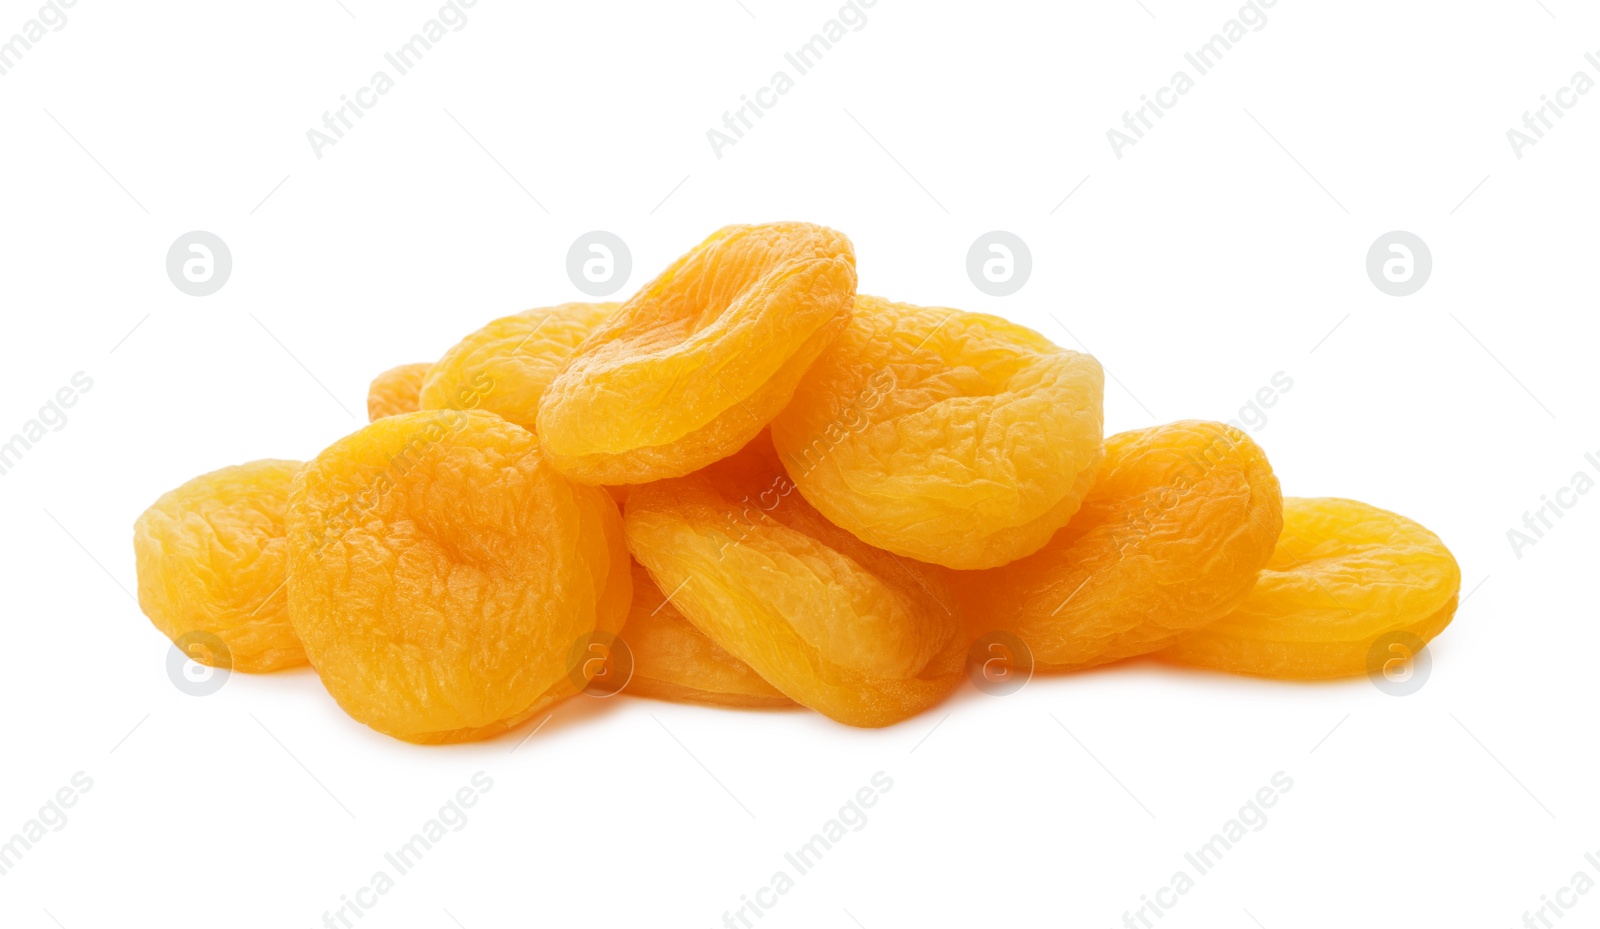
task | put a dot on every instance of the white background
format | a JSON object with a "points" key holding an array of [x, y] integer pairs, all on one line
{"points": [[1225, 247]]}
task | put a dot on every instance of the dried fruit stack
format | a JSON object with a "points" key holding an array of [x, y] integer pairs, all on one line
{"points": [[775, 492]]}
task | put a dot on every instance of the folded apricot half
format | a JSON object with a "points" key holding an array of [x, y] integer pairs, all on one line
{"points": [[696, 363], [954, 438], [442, 575], [1346, 579], [856, 633]]}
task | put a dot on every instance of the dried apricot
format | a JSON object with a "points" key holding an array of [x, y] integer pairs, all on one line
{"points": [[505, 366], [441, 573], [697, 362], [954, 438], [672, 660], [1344, 576], [1170, 538], [211, 559], [396, 391], [850, 630]]}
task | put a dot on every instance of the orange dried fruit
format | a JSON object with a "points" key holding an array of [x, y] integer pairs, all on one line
{"points": [[1169, 539], [396, 391], [697, 362], [672, 660], [211, 559], [1346, 577], [852, 631], [954, 438], [505, 366], [442, 574]]}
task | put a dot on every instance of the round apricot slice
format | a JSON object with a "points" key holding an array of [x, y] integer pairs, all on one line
{"points": [[953, 438], [697, 362], [672, 660], [505, 366], [854, 632], [396, 391], [1169, 539], [212, 559], [1345, 577], [442, 574]]}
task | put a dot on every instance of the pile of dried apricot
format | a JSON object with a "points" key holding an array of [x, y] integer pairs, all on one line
{"points": [[749, 486]]}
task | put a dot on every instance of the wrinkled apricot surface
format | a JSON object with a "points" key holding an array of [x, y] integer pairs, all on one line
{"points": [[505, 366], [396, 391], [954, 438], [441, 573], [1344, 574], [672, 660], [829, 500], [1170, 538], [695, 364], [857, 633], [211, 559]]}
